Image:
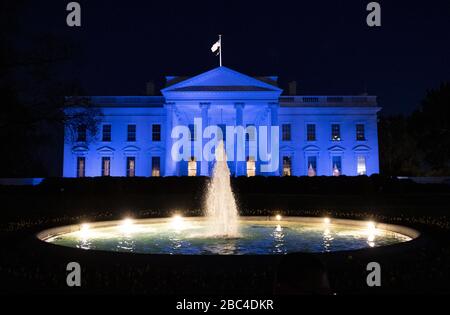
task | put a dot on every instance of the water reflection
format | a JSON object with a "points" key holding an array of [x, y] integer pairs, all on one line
{"points": [[371, 239], [85, 243], [327, 240], [279, 238], [226, 248], [371, 234], [127, 244]]}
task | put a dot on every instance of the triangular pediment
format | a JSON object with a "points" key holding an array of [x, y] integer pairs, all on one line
{"points": [[131, 148], [287, 148], [105, 149], [361, 148], [156, 150], [221, 79], [311, 148], [80, 149], [336, 148]]}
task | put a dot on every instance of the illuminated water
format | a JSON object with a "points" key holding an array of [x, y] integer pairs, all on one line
{"points": [[187, 237], [221, 210]]}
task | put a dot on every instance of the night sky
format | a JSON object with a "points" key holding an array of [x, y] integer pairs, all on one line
{"points": [[325, 45]]}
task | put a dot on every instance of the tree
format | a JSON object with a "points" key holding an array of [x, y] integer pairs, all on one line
{"points": [[399, 155], [33, 86], [431, 125]]}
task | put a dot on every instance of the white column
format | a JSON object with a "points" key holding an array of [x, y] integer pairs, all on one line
{"points": [[170, 164], [239, 165], [204, 169], [273, 121]]}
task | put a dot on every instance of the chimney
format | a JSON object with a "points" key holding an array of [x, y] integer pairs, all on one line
{"points": [[150, 88], [292, 88]]}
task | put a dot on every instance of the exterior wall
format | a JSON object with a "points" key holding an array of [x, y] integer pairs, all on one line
{"points": [[119, 148], [324, 148], [257, 113]]}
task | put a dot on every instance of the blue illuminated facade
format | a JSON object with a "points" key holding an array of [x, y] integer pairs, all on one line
{"points": [[318, 135]]}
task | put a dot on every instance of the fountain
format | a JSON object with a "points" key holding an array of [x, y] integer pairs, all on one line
{"points": [[221, 210], [223, 232]]}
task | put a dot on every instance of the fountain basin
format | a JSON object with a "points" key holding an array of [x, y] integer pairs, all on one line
{"points": [[257, 236]]}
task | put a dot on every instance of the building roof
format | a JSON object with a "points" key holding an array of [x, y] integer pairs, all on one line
{"points": [[221, 79], [221, 88], [225, 83]]}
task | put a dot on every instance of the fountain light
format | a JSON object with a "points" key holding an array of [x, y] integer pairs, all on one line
{"points": [[371, 233], [127, 226], [326, 220], [278, 217], [177, 222], [85, 231]]}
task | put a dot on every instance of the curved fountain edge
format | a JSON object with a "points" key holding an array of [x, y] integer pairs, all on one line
{"points": [[407, 231]]}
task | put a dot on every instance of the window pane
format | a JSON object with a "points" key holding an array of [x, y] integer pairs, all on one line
{"points": [[337, 165], [156, 166], [335, 132], [251, 166], [286, 132], [361, 165], [287, 166], [360, 132], [312, 165], [106, 133], [192, 167], [311, 132], [81, 166], [131, 166], [131, 133], [106, 166], [156, 132]]}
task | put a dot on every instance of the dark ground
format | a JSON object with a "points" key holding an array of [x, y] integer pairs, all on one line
{"points": [[29, 265]]}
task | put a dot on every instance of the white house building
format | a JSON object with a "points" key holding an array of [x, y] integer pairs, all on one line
{"points": [[318, 135]]}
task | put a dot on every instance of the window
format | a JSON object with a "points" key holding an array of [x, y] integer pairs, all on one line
{"points": [[106, 133], [360, 132], [156, 166], [131, 133], [361, 165], [192, 167], [336, 132], [286, 132], [251, 166], [192, 132], [81, 133], [311, 132], [287, 166], [223, 128], [337, 165], [312, 166], [156, 132], [106, 166], [81, 166], [131, 166], [250, 134]]}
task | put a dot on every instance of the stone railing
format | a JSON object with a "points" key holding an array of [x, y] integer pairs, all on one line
{"points": [[363, 100], [144, 101]]}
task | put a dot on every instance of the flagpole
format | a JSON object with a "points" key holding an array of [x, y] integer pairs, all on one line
{"points": [[220, 50]]}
